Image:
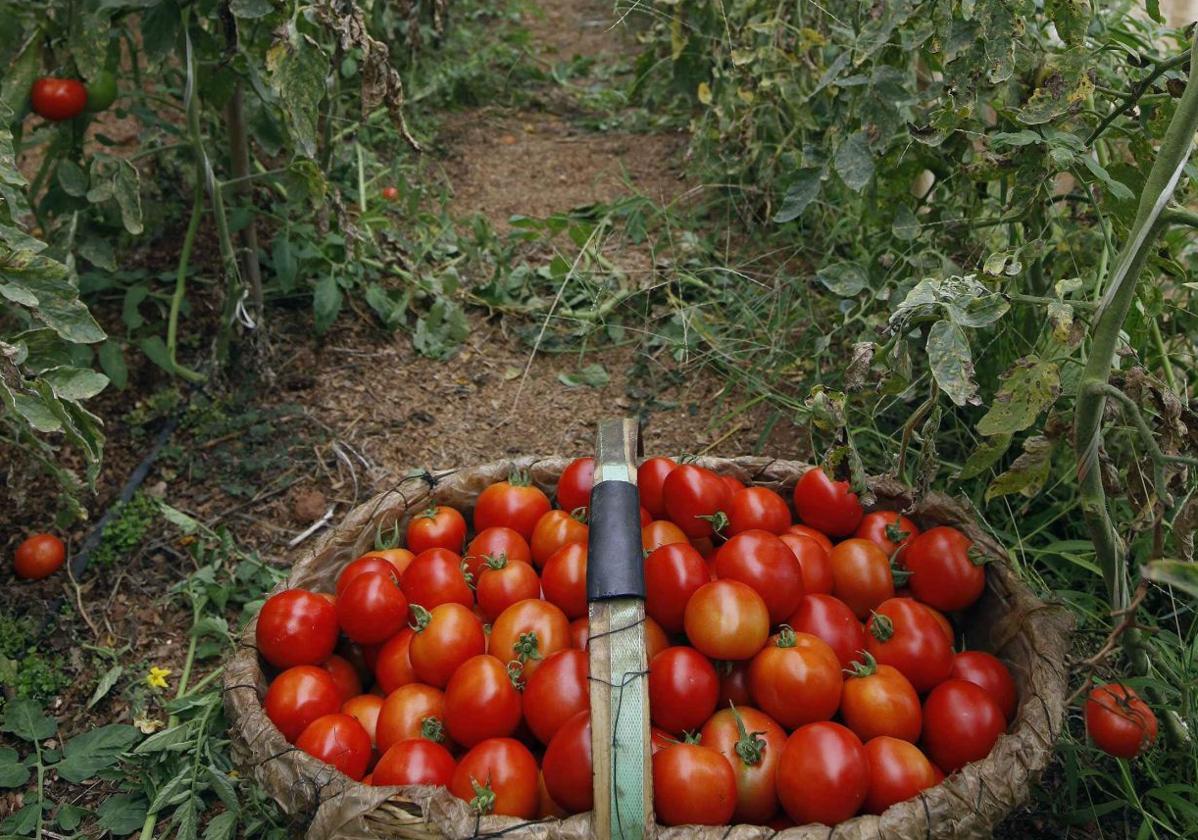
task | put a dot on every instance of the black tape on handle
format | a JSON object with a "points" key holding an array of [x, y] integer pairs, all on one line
{"points": [[615, 562]]}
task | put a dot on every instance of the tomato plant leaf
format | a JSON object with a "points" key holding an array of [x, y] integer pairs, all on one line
{"points": [[121, 814], [18, 77], [251, 9], [95, 750], [326, 303], [72, 383], [297, 68], [801, 193], [13, 773], [221, 827], [105, 684], [1028, 388], [23, 717], [593, 375], [905, 226], [1066, 85], [71, 178], [1178, 573], [952, 362], [984, 457], [1027, 473], [112, 362], [844, 279], [854, 162]]}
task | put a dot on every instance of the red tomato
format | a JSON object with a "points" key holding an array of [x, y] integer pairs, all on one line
{"points": [[502, 582], [796, 679], [547, 808], [580, 631], [726, 619], [415, 761], [498, 776], [830, 619], [574, 487], [830, 506], [556, 692], [646, 517], [734, 485], [814, 533], [673, 573], [650, 476], [706, 547], [365, 710], [372, 608], [763, 562], [947, 571], [752, 743], [390, 193], [693, 498], [514, 503], [814, 561], [879, 700], [339, 740], [661, 532], [367, 563], [564, 579], [415, 710], [438, 527], [393, 665], [659, 740], [299, 696], [734, 684], [861, 575], [345, 675], [39, 556], [823, 775], [1118, 721], [902, 633], [445, 638], [946, 626], [988, 671], [296, 627], [58, 99], [481, 701], [683, 688], [437, 577], [961, 723], [496, 542], [757, 508], [529, 631], [567, 765], [887, 529], [693, 785], [554, 530], [656, 639], [897, 772]]}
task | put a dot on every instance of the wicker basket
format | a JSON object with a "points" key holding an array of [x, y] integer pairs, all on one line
{"points": [[1008, 620]]}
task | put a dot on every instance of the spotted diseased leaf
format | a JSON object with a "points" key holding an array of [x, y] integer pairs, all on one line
{"points": [[251, 9], [72, 383], [1028, 388], [984, 457], [19, 76], [857, 369], [119, 180], [1066, 84], [952, 362], [905, 227], [46, 287], [854, 162], [1027, 473], [297, 68], [802, 192], [1072, 18], [844, 279]]}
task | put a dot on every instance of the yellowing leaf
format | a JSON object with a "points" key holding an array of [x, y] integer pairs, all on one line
{"points": [[704, 93]]}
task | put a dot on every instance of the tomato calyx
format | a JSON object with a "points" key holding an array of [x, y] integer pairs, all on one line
{"points": [[786, 637], [429, 512], [433, 729], [881, 627], [420, 617], [900, 575], [750, 746], [718, 520], [688, 737], [519, 478], [484, 798], [896, 533], [495, 561], [580, 514], [515, 673], [859, 669], [387, 540], [466, 573], [527, 647], [976, 556]]}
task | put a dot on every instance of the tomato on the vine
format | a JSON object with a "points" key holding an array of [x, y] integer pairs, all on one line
{"points": [[726, 619], [101, 91], [693, 785], [673, 573], [436, 577], [554, 530], [564, 579], [440, 526], [830, 619], [828, 505], [415, 761], [567, 765], [683, 688], [823, 775], [495, 542], [763, 562], [903, 634], [796, 679], [372, 608], [814, 561], [498, 776], [296, 627], [961, 722], [861, 575], [661, 532], [481, 701], [414, 710], [879, 700], [694, 498], [502, 582], [752, 742], [898, 771], [988, 671], [529, 631], [39, 556], [365, 710], [58, 99], [887, 529], [650, 476], [299, 696], [445, 637], [1118, 721], [557, 691], [338, 739], [574, 486], [947, 570], [514, 503], [757, 508]]}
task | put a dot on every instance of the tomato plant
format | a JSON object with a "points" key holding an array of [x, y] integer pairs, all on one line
{"points": [[38, 557], [296, 627]]}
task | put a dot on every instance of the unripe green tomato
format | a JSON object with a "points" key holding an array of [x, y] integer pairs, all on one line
{"points": [[101, 91]]}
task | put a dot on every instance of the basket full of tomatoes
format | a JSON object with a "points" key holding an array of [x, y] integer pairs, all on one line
{"points": [[814, 659]]}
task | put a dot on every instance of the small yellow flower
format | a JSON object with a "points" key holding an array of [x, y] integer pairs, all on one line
{"points": [[157, 677]]}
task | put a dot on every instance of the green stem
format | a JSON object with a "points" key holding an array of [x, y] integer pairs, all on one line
{"points": [[1158, 342], [1133, 97], [172, 324], [41, 787]]}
